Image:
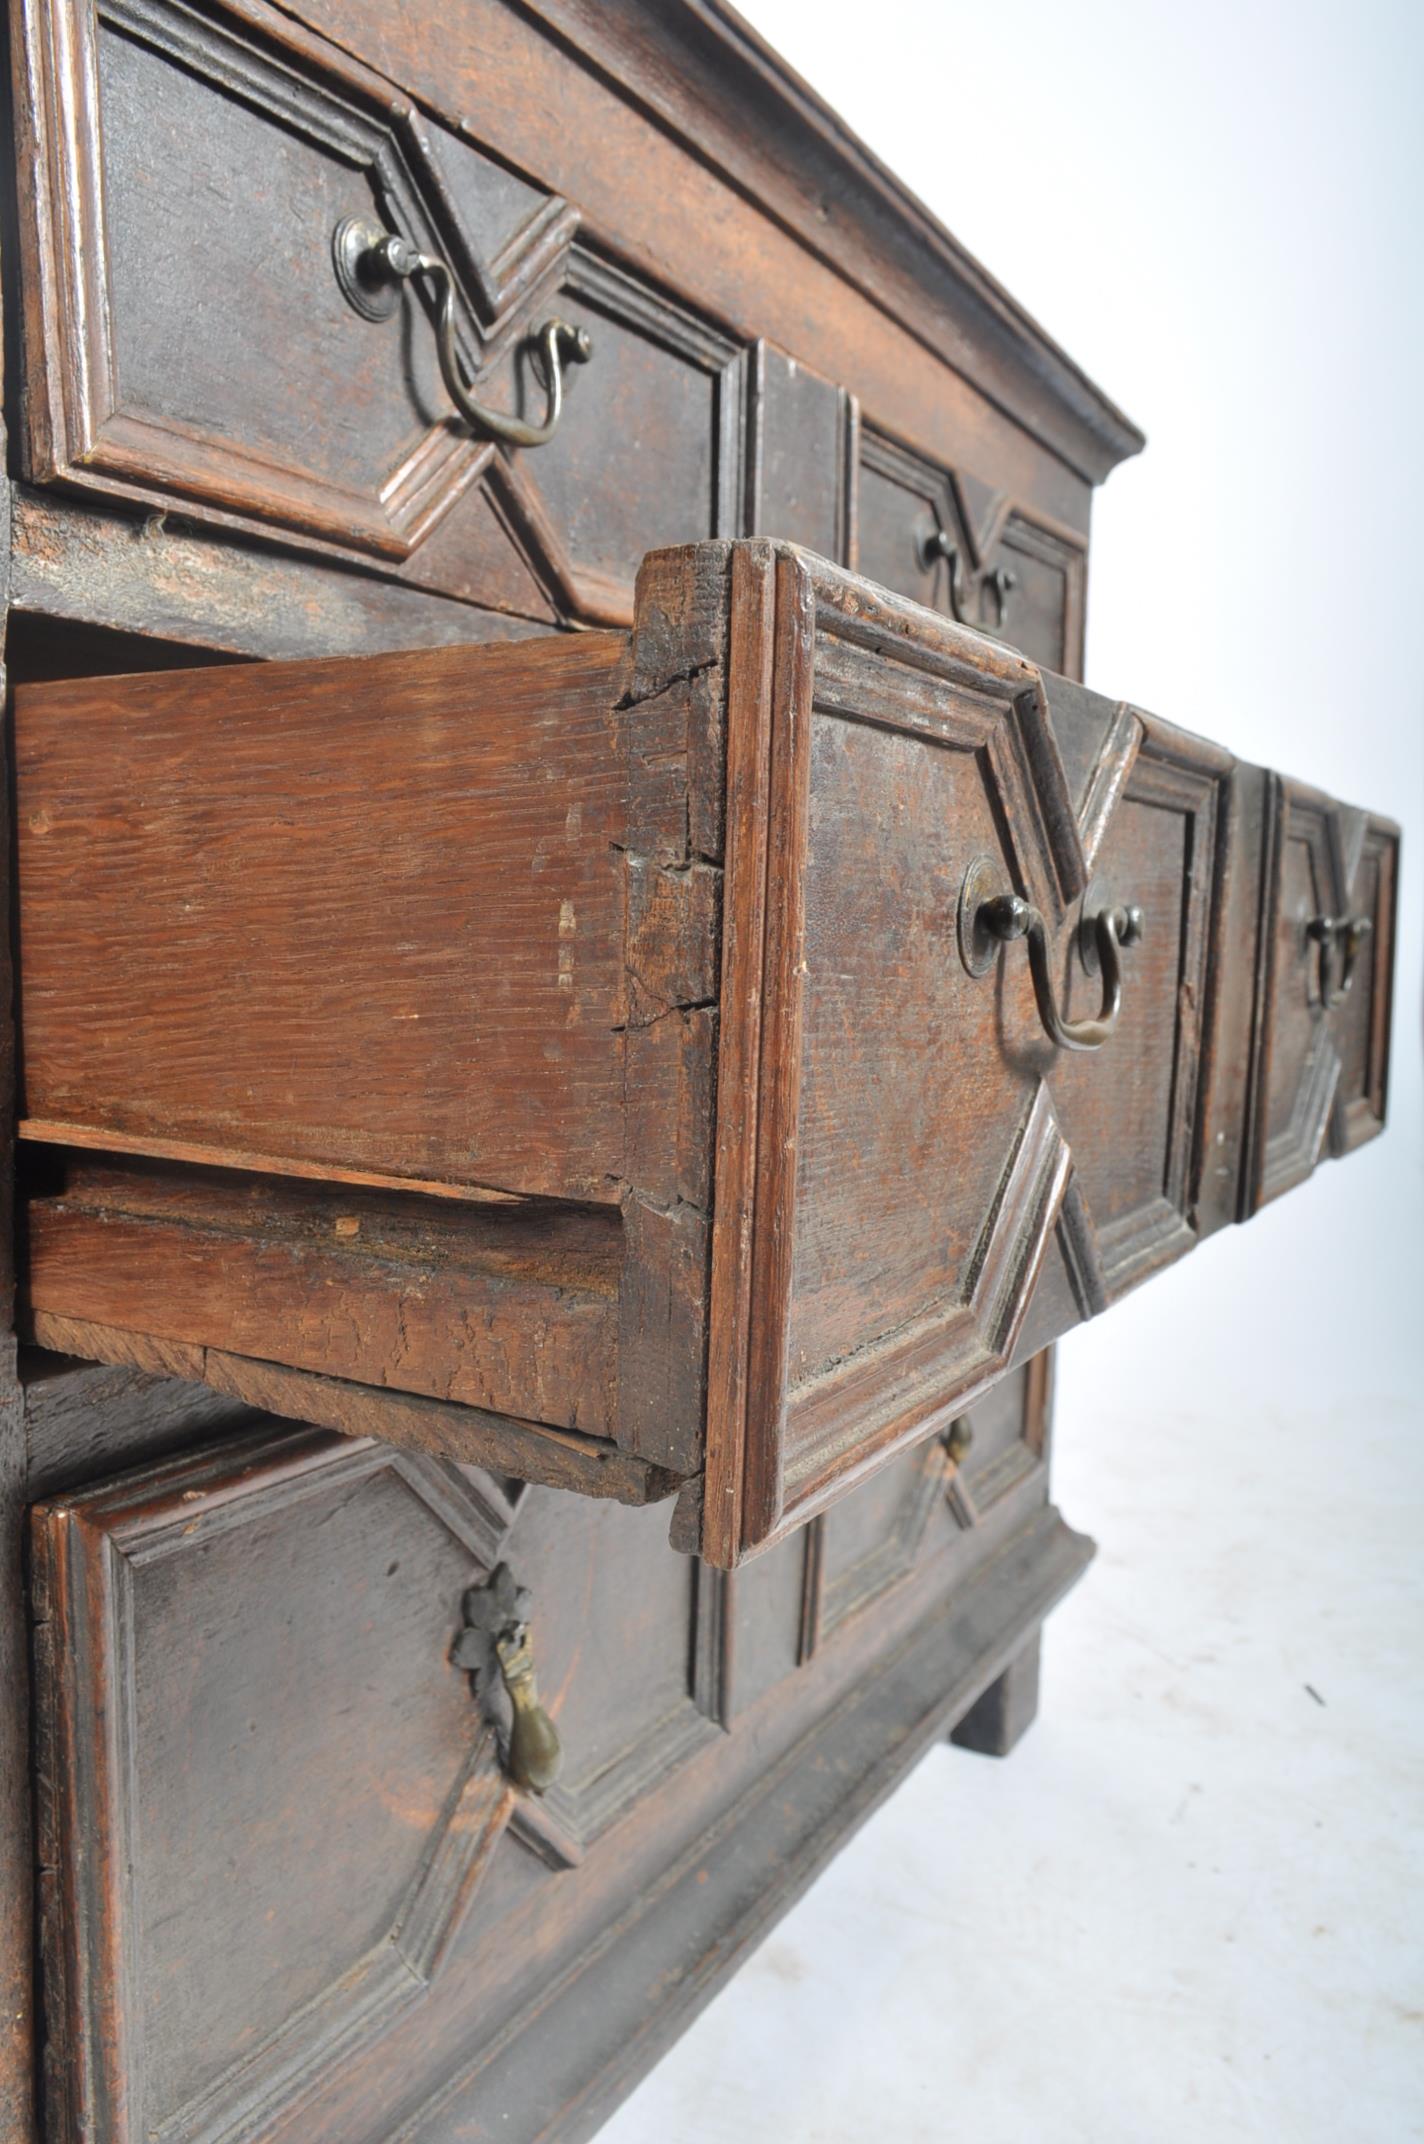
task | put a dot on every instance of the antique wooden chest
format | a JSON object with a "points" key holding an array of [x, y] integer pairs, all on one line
{"points": [[592, 993]]}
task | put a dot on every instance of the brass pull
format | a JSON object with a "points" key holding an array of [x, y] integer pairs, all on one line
{"points": [[536, 1755], [939, 544], [1342, 936], [497, 1622], [958, 1439], [372, 263], [990, 920]]}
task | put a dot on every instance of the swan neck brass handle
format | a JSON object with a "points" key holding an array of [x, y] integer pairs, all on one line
{"points": [[939, 545], [1339, 939], [989, 920], [372, 263]]}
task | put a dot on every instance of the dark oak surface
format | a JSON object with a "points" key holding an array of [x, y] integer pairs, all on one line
{"points": [[1321, 1062], [384, 1910], [337, 435], [522, 1236], [374, 1012], [18, 2037]]}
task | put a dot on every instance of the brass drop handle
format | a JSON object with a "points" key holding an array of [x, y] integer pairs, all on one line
{"points": [[1342, 937], [536, 1755], [497, 1623], [989, 920], [956, 1444], [371, 264]]}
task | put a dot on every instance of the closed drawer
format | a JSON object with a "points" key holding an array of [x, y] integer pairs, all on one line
{"points": [[205, 332], [705, 1060], [289, 1879], [876, 1538], [1326, 959], [191, 345], [276, 1802], [947, 539]]}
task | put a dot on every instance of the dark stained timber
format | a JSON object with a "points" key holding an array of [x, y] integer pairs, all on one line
{"points": [[645, 1077], [550, 984]]}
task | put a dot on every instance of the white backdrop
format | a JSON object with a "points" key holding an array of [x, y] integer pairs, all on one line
{"points": [[1183, 1907], [1218, 211]]}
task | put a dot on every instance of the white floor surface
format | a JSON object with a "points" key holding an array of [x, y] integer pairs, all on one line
{"points": [[1190, 1905]]}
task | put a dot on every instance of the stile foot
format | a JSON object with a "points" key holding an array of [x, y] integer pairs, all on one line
{"points": [[1003, 1715]]}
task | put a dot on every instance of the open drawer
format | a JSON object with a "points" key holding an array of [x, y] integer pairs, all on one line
{"points": [[699, 1059]]}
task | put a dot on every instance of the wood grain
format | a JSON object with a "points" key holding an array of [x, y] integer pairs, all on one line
{"points": [[701, 1166], [76, 564], [704, 979], [18, 2005], [82, 1417], [672, 739], [480, 1306], [322, 830]]}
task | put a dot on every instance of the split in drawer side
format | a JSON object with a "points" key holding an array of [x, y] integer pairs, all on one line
{"points": [[370, 1038]]}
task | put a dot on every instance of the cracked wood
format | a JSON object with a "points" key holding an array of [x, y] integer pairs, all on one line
{"points": [[575, 1034]]}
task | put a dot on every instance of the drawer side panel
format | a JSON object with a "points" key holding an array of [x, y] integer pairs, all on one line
{"points": [[369, 917]]}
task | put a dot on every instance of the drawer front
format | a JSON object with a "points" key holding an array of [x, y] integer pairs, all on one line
{"points": [[926, 1148], [196, 340], [1326, 960], [1131, 1113], [945, 539], [189, 342], [874, 1539]]}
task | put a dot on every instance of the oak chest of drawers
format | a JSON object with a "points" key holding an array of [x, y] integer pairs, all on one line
{"points": [[592, 994]]}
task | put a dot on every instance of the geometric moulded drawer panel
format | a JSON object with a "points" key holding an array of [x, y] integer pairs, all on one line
{"points": [[275, 1803], [958, 545], [1327, 951], [215, 348]]}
